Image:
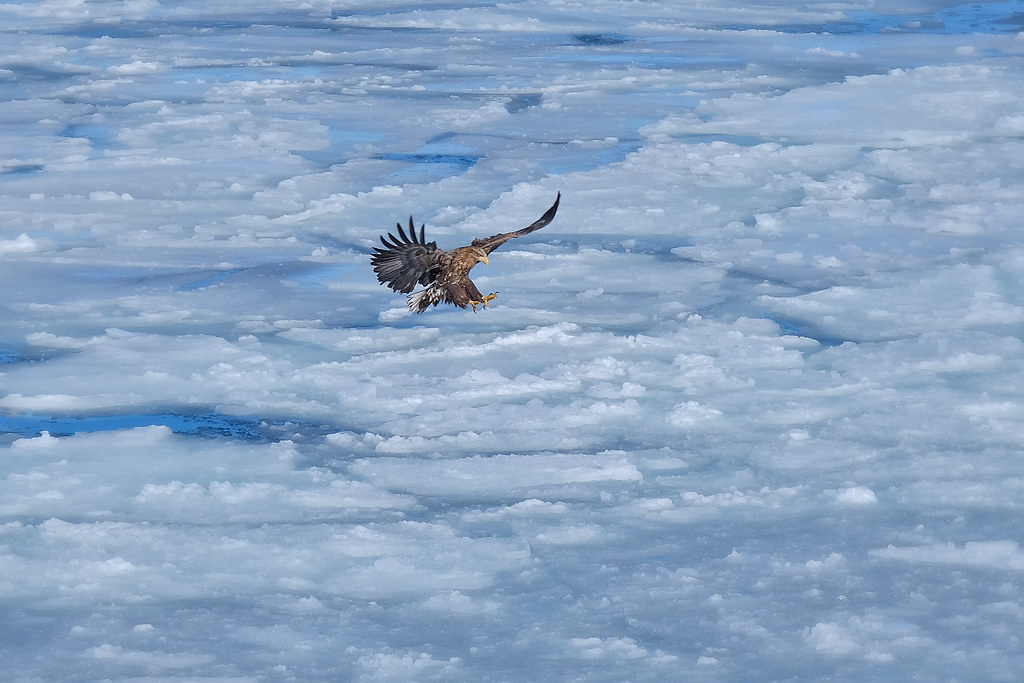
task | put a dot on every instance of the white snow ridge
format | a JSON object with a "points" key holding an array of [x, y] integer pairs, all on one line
{"points": [[750, 408]]}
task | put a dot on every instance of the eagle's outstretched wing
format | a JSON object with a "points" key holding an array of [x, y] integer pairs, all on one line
{"points": [[491, 243], [407, 260]]}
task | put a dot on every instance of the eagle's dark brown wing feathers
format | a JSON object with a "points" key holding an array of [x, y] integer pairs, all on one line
{"points": [[407, 260], [411, 239], [491, 243]]}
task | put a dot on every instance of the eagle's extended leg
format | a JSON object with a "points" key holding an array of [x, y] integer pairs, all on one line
{"points": [[483, 300]]}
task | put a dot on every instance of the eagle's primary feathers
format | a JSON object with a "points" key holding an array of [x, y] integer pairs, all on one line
{"points": [[408, 260]]}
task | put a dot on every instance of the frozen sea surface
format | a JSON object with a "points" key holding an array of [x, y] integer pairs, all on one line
{"points": [[750, 408]]}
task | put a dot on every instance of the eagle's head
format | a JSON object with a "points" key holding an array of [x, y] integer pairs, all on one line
{"points": [[480, 255]]}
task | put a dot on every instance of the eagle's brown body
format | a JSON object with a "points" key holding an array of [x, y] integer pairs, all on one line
{"points": [[408, 260]]}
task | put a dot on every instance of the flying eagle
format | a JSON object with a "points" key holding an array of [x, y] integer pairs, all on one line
{"points": [[408, 260]]}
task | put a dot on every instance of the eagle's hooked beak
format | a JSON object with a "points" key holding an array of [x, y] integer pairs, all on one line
{"points": [[484, 260]]}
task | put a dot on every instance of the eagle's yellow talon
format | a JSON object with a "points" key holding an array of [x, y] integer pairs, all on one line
{"points": [[485, 300]]}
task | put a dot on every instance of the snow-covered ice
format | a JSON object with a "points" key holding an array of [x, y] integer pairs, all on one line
{"points": [[750, 408]]}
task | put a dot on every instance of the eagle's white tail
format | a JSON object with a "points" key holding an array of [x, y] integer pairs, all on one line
{"points": [[425, 298]]}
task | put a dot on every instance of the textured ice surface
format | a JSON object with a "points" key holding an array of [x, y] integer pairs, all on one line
{"points": [[749, 409]]}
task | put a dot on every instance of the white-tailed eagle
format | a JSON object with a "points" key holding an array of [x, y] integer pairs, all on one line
{"points": [[408, 260]]}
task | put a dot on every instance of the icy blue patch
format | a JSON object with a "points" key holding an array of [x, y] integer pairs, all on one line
{"points": [[342, 143], [210, 280], [461, 161], [21, 169], [199, 424], [986, 17], [523, 101], [439, 156], [321, 276], [31, 73], [564, 160], [787, 327], [98, 136], [805, 329], [600, 38], [10, 357], [425, 167]]}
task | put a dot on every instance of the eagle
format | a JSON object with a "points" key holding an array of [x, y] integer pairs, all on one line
{"points": [[408, 260]]}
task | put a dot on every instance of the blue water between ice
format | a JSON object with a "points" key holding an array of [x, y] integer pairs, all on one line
{"points": [[199, 424], [978, 17]]}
